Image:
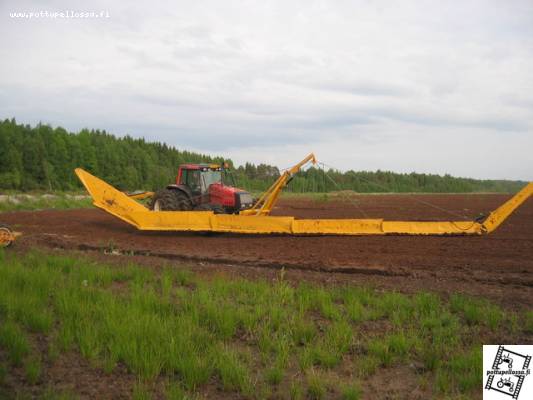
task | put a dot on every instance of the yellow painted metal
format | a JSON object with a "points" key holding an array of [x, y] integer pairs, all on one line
{"points": [[127, 209], [266, 202], [338, 226], [140, 196], [499, 215], [432, 227], [108, 198]]}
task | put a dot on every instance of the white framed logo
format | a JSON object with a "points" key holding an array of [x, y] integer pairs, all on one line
{"points": [[507, 372]]}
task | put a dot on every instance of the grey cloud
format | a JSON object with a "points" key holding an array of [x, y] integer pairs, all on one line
{"points": [[498, 124], [284, 75], [365, 88]]}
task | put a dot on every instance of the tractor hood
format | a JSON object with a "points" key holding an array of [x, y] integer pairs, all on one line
{"points": [[229, 196]]}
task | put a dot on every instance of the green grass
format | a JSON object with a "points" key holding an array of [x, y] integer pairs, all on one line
{"points": [[316, 386], [3, 373], [52, 394], [367, 366], [14, 341], [529, 322], [351, 392], [251, 338], [295, 391], [232, 370], [329, 350], [174, 391], [33, 369], [141, 392]]}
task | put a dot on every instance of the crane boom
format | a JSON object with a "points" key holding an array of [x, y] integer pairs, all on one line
{"points": [[268, 199]]}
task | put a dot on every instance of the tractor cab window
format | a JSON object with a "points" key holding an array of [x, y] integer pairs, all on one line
{"points": [[199, 180], [228, 178], [211, 176], [191, 178]]}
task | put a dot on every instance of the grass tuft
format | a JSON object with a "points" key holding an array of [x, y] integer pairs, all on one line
{"points": [[316, 387], [351, 392], [296, 392], [274, 375], [232, 371], [14, 341], [528, 325], [141, 392], [3, 373], [32, 369], [175, 392]]}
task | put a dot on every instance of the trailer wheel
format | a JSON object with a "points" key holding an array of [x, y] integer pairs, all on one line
{"points": [[6, 236], [170, 200]]}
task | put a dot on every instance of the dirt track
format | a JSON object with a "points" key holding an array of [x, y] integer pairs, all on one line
{"points": [[498, 266]]}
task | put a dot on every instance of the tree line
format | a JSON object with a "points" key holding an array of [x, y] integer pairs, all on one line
{"points": [[43, 158]]}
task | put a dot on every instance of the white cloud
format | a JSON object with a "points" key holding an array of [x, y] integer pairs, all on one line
{"points": [[426, 86]]}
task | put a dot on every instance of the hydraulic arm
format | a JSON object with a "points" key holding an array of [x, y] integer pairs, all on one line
{"points": [[266, 202]]}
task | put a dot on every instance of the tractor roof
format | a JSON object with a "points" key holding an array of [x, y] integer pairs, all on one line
{"points": [[203, 166]]}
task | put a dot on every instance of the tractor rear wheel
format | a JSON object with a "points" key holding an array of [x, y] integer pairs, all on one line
{"points": [[170, 200]]}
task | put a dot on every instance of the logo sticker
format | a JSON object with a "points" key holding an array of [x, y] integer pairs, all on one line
{"points": [[506, 372]]}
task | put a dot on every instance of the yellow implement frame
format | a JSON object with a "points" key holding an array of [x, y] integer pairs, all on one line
{"points": [[121, 206], [140, 196]]}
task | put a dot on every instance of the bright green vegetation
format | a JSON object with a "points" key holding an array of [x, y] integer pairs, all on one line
{"points": [[251, 338], [59, 201], [43, 157]]}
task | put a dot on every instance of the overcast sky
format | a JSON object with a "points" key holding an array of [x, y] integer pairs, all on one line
{"points": [[426, 86]]}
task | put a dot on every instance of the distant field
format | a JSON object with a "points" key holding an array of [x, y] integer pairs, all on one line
{"points": [[43, 201], [167, 332], [16, 201]]}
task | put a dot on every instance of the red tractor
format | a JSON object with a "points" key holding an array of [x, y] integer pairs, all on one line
{"points": [[201, 187]]}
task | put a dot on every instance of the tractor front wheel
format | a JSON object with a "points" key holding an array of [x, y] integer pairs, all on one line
{"points": [[170, 200]]}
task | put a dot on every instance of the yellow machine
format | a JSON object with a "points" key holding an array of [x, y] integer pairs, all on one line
{"points": [[266, 202], [257, 220], [7, 236]]}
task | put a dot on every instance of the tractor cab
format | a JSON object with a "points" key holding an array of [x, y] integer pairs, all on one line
{"points": [[206, 183], [201, 187], [199, 177]]}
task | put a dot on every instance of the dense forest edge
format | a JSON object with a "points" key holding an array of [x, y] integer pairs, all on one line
{"points": [[44, 158]]}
